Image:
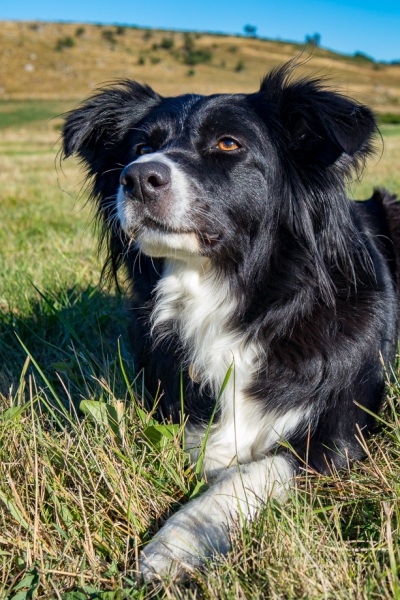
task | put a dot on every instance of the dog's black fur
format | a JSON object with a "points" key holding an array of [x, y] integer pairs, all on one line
{"points": [[312, 275]]}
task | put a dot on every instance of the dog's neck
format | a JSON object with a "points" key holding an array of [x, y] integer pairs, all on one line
{"points": [[195, 303]]}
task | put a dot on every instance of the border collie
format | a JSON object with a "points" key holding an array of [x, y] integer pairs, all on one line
{"points": [[230, 216]]}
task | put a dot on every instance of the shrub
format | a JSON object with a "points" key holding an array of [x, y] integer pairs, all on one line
{"points": [[65, 42], [361, 57], [240, 66], [108, 35], [197, 56], [167, 43], [313, 40], [389, 118], [80, 32], [192, 55], [250, 30], [188, 42]]}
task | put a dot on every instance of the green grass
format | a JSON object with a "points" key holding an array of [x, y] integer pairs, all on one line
{"points": [[15, 113], [86, 476], [390, 118]]}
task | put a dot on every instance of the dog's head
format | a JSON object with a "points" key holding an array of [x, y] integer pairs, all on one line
{"points": [[203, 175]]}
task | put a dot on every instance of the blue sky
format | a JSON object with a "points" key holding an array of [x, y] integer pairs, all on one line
{"points": [[372, 27]]}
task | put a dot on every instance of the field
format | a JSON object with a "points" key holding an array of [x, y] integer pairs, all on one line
{"points": [[86, 475]]}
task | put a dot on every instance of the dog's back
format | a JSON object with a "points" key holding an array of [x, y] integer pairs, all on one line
{"points": [[381, 214]]}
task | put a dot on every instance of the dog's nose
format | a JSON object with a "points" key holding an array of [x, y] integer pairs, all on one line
{"points": [[146, 181]]}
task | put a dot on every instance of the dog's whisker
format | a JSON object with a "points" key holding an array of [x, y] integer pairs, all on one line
{"points": [[113, 170]]}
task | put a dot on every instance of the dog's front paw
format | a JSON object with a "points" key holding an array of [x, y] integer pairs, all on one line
{"points": [[184, 543], [159, 560]]}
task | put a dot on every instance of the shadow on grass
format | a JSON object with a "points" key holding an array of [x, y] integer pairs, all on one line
{"points": [[73, 335]]}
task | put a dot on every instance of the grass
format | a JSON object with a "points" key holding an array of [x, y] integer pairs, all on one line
{"points": [[86, 475], [15, 112]]}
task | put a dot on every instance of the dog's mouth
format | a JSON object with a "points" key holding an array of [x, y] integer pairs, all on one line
{"points": [[158, 239], [152, 223], [156, 225]]}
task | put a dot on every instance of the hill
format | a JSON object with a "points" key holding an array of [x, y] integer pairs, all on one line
{"points": [[55, 61]]}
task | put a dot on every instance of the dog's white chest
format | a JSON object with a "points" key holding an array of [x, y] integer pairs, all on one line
{"points": [[193, 298], [201, 306]]}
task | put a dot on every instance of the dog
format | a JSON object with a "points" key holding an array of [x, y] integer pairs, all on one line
{"points": [[245, 257]]}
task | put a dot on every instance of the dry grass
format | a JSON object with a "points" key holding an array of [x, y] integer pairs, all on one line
{"points": [[382, 169]]}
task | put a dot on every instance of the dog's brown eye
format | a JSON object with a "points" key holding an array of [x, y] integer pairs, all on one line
{"points": [[144, 149], [228, 144]]}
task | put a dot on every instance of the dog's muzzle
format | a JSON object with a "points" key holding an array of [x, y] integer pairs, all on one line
{"points": [[146, 181]]}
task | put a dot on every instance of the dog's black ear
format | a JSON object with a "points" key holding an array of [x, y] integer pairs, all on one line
{"points": [[103, 119], [320, 125]]}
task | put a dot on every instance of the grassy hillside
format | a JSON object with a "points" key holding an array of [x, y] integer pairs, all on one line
{"points": [[66, 61]]}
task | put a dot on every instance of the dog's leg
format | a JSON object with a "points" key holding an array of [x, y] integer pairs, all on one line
{"points": [[200, 528]]}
